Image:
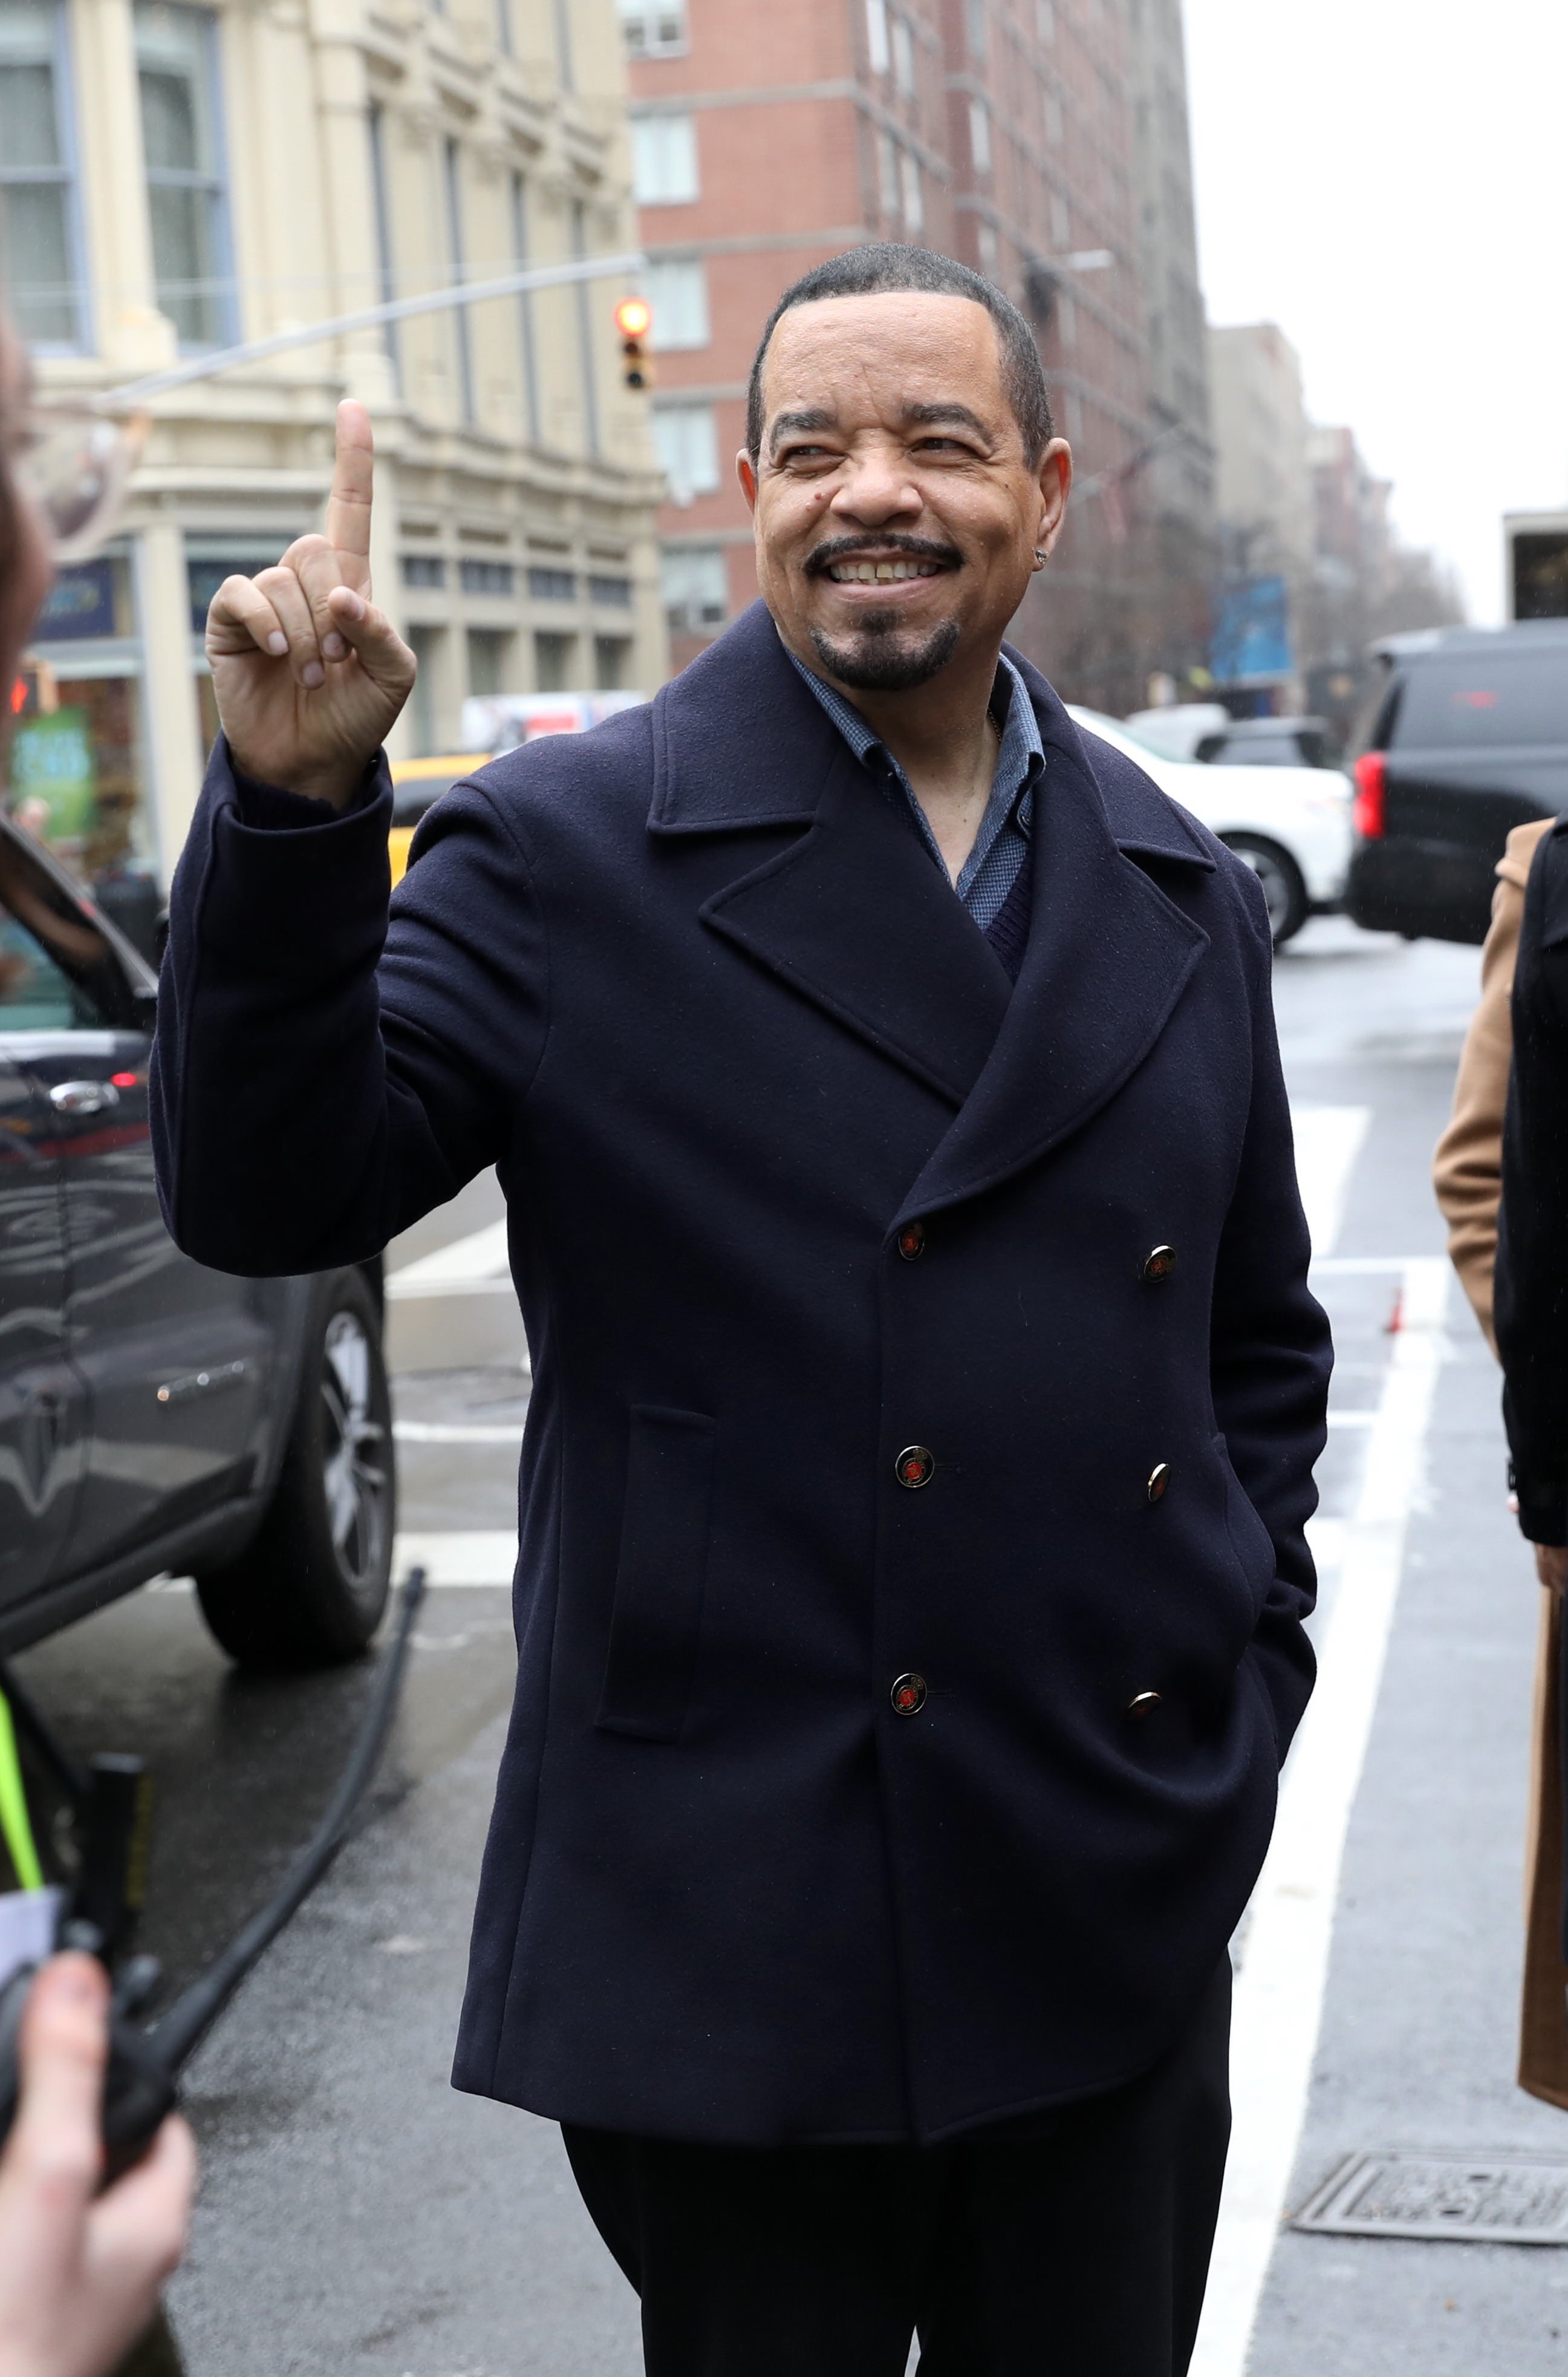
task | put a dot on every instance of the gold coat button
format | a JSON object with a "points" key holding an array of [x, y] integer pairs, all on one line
{"points": [[1160, 1478]]}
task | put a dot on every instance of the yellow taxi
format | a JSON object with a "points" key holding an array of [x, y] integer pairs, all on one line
{"points": [[416, 786]]}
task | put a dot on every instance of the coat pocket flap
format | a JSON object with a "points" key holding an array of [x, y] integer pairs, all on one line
{"points": [[659, 1574]]}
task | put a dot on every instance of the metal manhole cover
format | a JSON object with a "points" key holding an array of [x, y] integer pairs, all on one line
{"points": [[1488, 2199]]}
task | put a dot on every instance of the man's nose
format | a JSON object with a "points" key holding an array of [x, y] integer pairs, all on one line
{"points": [[877, 489]]}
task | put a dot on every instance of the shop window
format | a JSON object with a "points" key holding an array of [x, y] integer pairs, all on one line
{"points": [[553, 586], [686, 438], [490, 653], [696, 591], [612, 655], [187, 198], [676, 288], [664, 160], [555, 658], [39, 232], [205, 571], [653, 28]]}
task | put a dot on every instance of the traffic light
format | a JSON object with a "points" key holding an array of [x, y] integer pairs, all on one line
{"points": [[634, 319]]}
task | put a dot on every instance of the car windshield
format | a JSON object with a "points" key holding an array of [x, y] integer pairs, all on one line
{"points": [[1115, 730], [1485, 698]]}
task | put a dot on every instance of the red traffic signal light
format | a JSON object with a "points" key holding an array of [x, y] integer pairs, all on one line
{"points": [[634, 319]]}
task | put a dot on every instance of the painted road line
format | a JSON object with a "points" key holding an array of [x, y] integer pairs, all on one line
{"points": [[1279, 1989], [1328, 1139], [465, 1556], [476, 1265]]}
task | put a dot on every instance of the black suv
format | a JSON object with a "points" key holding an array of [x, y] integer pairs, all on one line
{"points": [[156, 1416], [1468, 737]]}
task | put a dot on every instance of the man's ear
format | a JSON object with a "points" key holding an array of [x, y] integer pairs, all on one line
{"points": [[1055, 477], [745, 471]]}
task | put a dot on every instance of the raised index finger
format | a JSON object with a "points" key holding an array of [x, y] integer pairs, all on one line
{"points": [[348, 505]]}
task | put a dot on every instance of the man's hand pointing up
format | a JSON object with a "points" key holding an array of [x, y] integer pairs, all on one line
{"points": [[309, 674]]}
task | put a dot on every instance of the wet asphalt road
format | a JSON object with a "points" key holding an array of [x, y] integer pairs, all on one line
{"points": [[357, 2216]]}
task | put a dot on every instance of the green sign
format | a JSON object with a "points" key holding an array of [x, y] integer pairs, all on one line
{"points": [[52, 763]]}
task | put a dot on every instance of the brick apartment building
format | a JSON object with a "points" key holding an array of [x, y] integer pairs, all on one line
{"points": [[1043, 142]]}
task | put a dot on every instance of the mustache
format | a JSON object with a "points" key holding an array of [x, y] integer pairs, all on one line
{"points": [[822, 558]]}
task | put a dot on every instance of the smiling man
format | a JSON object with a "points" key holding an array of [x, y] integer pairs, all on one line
{"points": [[911, 1576]]}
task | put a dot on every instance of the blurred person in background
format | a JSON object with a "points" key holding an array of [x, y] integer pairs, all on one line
{"points": [[882, 1080], [80, 2272], [1530, 1324]]}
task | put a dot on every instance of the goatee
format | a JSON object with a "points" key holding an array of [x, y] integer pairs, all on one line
{"points": [[875, 661]]}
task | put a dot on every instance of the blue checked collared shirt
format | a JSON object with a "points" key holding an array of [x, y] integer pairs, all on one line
{"points": [[992, 867]]}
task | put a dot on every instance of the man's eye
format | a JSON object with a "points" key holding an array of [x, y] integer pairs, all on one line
{"points": [[806, 453]]}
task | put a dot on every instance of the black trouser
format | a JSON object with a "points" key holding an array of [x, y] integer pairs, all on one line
{"points": [[1071, 2244]]}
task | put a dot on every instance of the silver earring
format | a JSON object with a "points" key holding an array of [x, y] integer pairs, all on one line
{"points": [[1041, 556]]}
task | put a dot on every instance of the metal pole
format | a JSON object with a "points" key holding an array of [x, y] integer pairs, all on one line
{"points": [[401, 309]]}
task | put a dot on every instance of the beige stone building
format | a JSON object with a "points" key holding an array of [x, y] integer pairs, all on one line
{"points": [[178, 178]]}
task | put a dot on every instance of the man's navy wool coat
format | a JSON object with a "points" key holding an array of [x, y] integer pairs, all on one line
{"points": [[695, 988]]}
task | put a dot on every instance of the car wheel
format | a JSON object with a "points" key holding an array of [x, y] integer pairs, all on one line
{"points": [[310, 1588], [1285, 894]]}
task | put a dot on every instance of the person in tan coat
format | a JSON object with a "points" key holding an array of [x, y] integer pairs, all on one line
{"points": [[1468, 1178]]}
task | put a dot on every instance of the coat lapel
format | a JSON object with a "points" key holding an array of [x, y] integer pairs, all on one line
{"points": [[853, 914], [1109, 955]]}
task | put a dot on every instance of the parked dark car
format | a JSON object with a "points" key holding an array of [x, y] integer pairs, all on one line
{"points": [[1270, 743], [1468, 737], [155, 1416]]}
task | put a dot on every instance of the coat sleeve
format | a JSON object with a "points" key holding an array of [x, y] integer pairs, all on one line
{"points": [[1467, 1174], [321, 1076], [1270, 1357], [1532, 1275]]}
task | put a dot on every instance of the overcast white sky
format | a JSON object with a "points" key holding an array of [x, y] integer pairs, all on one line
{"points": [[1388, 180]]}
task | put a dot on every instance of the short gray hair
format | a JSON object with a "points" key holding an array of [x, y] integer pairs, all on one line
{"points": [[885, 268]]}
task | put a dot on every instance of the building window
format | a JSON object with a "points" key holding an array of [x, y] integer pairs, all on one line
{"points": [[914, 199], [903, 54], [177, 71], [653, 28], [980, 135], [504, 41], [427, 645], [1045, 22], [686, 438], [614, 590], [553, 586], [555, 658], [487, 578], [888, 161], [975, 28], [488, 659], [696, 589], [877, 51], [664, 160], [677, 291], [39, 238], [423, 570], [462, 329], [610, 654]]}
